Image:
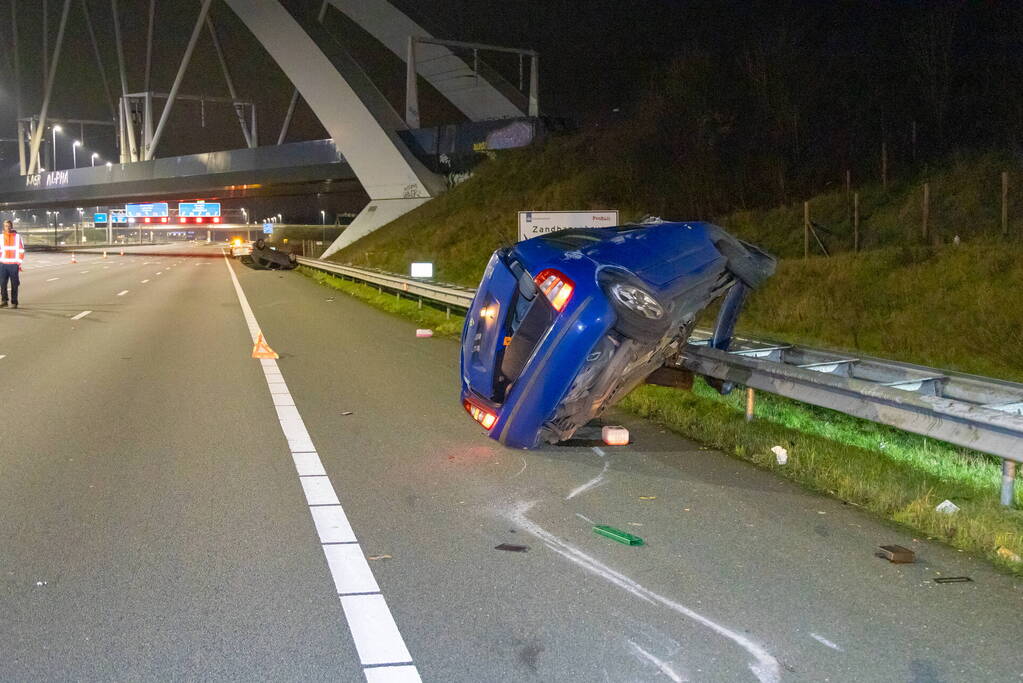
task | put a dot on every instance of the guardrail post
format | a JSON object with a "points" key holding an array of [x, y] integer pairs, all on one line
{"points": [[447, 313], [1008, 482], [750, 403]]}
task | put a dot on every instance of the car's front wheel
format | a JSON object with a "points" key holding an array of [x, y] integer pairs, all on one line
{"points": [[641, 316]]}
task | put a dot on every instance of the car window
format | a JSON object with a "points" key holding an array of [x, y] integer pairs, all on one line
{"points": [[571, 239]]}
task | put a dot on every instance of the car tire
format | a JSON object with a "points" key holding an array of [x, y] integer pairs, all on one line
{"points": [[746, 263], [622, 288]]}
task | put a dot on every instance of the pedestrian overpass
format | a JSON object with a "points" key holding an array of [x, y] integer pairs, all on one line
{"points": [[394, 160]]}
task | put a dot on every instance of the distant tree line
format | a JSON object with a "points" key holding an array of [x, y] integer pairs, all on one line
{"points": [[769, 102]]}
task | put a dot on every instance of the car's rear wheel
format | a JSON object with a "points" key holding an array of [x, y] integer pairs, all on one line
{"points": [[641, 316]]}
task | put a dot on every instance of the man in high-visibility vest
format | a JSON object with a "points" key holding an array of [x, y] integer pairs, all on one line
{"points": [[12, 255]]}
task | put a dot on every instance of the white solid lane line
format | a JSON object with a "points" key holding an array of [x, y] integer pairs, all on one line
{"points": [[377, 638], [122, 293], [81, 315]]}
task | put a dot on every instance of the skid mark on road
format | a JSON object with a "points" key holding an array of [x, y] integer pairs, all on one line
{"points": [[765, 667], [592, 483], [825, 642], [381, 648], [663, 666]]}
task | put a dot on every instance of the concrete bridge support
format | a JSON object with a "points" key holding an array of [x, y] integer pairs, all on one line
{"points": [[363, 124]]}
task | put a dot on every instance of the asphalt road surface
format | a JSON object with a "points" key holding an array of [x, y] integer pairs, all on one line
{"points": [[172, 509]]}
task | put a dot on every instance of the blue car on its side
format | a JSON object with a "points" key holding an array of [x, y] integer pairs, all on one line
{"points": [[565, 324]]}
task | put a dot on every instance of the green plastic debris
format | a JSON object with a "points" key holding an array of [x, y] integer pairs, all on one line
{"points": [[617, 535]]}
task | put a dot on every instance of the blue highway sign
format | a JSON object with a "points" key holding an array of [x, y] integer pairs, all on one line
{"points": [[99, 218], [199, 209], [146, 210]]}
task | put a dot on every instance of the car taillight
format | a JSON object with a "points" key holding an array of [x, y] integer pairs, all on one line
{"points": [[485, 418], [555, 286]]}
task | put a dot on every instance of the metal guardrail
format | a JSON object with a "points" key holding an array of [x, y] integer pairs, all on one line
{"points": [[450, 295], [981, 413]]}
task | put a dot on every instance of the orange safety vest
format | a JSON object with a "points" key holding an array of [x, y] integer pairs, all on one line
{"points": [[12, 249]]}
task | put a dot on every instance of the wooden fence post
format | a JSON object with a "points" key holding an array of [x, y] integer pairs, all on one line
{"points": [[1005, 203], [884, 166], [856, 221], [848, 181], [926, 209], [806, 230]]}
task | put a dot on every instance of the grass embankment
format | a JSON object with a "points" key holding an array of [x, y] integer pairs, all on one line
{"points": [[895, 475], [950, 307]]}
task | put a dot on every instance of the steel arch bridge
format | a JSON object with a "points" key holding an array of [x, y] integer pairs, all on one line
{"points": [[366, 129]]}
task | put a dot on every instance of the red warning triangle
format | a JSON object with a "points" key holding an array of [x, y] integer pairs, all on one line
{"points": [[262, 350]]}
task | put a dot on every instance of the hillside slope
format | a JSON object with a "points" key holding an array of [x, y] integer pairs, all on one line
{"points": [[936, 303]]}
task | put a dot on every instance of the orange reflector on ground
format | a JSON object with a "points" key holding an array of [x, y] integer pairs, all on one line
{"points": [[614, 435], [262, 350]]}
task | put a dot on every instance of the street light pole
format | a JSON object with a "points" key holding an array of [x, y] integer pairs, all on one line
{"points": [[74, 151], [94, 155], [55, 130]]}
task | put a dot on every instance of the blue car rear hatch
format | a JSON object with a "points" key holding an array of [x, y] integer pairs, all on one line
{"points": [[483, 335]]}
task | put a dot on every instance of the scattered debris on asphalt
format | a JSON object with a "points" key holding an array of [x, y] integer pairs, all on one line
{"points": [[648, 497], [953, 579], [512, 548], [423, 334], [780, 455], [614, 435], [379, 557], [347, 412], [330, 299], [897, 554], [41, 583], [1008, 554], [617, 534], [948, 507]]}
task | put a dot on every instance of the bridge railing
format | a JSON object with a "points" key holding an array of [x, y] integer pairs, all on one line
{"points": [[980, 413]]}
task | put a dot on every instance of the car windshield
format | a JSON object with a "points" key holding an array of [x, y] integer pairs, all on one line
{"points": [[576, 238]]}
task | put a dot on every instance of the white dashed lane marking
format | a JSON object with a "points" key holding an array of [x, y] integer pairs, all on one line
{"points": [[81, 315], [122, 293], [381, 648], [145, 281], [52, 279]]}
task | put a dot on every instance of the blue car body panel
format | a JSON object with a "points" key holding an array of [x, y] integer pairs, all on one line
{"points": [[544, 373]]}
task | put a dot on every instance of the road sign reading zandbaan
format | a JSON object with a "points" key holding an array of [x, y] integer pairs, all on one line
{"points": [[534, 223]]}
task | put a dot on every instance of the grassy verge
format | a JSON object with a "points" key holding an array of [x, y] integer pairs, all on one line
{"points": [[426, 316], [897, 476]]}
